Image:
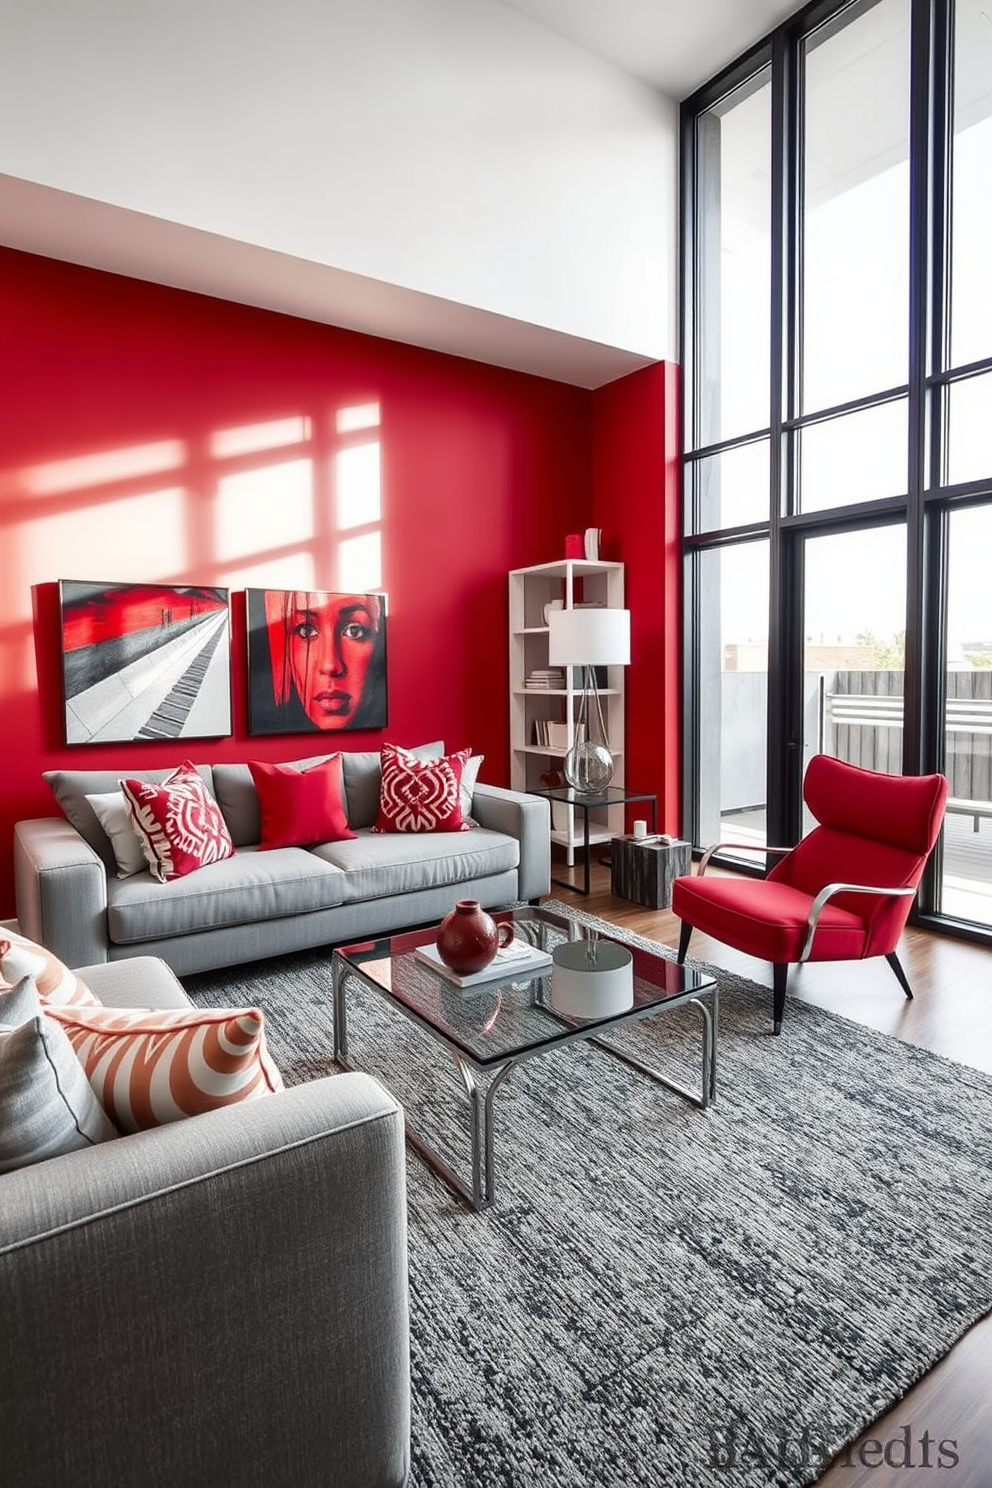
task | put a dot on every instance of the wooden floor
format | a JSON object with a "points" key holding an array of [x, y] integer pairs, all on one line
{"points": [[951, 1014]]}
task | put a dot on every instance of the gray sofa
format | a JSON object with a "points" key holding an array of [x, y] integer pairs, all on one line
{"points": [[257, 904], [220, 1300]]}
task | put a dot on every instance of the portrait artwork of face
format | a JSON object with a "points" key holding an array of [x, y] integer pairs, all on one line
{"points": [[315, 660]]}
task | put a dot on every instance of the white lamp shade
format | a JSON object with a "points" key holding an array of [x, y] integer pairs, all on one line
{"points": [[589, 637]]}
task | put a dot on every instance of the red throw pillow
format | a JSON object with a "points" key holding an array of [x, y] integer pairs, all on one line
{"points": [[179, 823], [420, 795], [300, 807]]}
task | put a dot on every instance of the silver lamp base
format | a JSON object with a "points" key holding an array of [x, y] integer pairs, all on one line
{"points": [[588, 768]]}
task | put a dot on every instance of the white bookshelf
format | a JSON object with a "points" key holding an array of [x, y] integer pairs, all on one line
{"points": [[571, 581]]}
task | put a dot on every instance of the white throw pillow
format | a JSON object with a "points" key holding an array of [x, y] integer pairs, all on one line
{"points": [[114, 816], [47, 1105], [470, 774]]}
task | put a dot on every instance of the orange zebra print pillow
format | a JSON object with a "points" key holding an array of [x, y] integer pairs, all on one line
{"points": [[148, 1067], [56, 984]]}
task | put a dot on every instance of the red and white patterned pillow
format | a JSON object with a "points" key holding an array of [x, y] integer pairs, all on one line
{"points": [[148, 1067], [180, 824], [420, 795], [56, 984]]}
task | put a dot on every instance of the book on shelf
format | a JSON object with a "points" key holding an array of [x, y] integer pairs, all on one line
{"points": [[550, 680], [553, 736], [557, 736], [518, 960]]}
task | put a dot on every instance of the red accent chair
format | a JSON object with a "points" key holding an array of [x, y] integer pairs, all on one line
{"points": [[841, 894]]}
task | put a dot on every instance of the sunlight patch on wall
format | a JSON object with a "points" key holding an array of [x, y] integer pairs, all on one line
{"points": [[251, 439], [262, 509], [357, 486], [83, 472], [137, 537], [291, 571], [359, 416], [360, 564], [125, 538]]}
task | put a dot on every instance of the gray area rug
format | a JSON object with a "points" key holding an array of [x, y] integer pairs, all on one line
{"points": [[663, 1295]]}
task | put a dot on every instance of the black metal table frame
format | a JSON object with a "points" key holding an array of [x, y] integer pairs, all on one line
{"points": [[481, 1193], [593, 803]]}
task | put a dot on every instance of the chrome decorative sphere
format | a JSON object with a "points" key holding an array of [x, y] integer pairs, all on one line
{"points": [[588, 768]]}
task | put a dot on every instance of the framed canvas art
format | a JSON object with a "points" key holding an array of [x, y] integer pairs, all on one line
{"points": [[316, 661], [144, 661]]}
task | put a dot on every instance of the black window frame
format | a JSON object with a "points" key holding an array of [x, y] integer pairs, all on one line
{"points": [[927, 501]]}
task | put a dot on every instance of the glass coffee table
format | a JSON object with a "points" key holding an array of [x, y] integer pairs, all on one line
{"points": [[489, 1036]]}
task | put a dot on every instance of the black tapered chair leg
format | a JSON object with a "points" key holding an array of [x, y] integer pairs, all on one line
{"points": [[896, 965], [780, 973], [684, 934]]}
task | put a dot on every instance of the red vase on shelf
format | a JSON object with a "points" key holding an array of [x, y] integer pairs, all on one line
{"points": [[468, 938]]}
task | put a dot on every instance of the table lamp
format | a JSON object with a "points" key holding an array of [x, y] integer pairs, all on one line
{"points": [[589, 637]]}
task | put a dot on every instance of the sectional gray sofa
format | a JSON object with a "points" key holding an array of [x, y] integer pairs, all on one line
{"points": [[222, 1300], [257, 904]]}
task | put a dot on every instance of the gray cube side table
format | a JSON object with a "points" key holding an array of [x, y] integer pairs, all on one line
{"points": [[645, 871]]}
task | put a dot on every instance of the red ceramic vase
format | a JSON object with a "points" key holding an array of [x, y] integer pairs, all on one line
{"points": [[468, 938]]}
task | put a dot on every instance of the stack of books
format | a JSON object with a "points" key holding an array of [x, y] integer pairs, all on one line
{"points": [[519, 961], [553, 736], [548, 679]]}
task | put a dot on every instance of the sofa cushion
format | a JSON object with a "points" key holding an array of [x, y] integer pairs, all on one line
{"points": [[71, 787], [20, 957], [301, 807], [180, 824], [420, 795], [363, 780], [247, 887], [47, 1106], [147, 1067], [377, 865]]}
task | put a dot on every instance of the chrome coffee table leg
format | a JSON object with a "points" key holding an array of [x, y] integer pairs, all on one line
{"points": [[340, 1028], [705, 1096], [482, 1192], [490, 1140]]}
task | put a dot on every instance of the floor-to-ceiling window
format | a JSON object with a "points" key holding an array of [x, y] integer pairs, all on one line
{"points": [[838, 432]]}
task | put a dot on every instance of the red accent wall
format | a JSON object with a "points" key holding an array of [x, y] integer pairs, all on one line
{"points": [[112, 392], [637, 503]]}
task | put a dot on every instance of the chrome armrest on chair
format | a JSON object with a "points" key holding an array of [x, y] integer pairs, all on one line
{"points": [[841, 888], [740, 847]]}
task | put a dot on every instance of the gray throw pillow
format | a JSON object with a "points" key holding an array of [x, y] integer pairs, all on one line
{"points": [[47, 1105], [71, 788]]}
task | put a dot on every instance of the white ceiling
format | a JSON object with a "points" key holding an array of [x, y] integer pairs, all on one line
{"points": [[675, 45], [671, 45]]}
